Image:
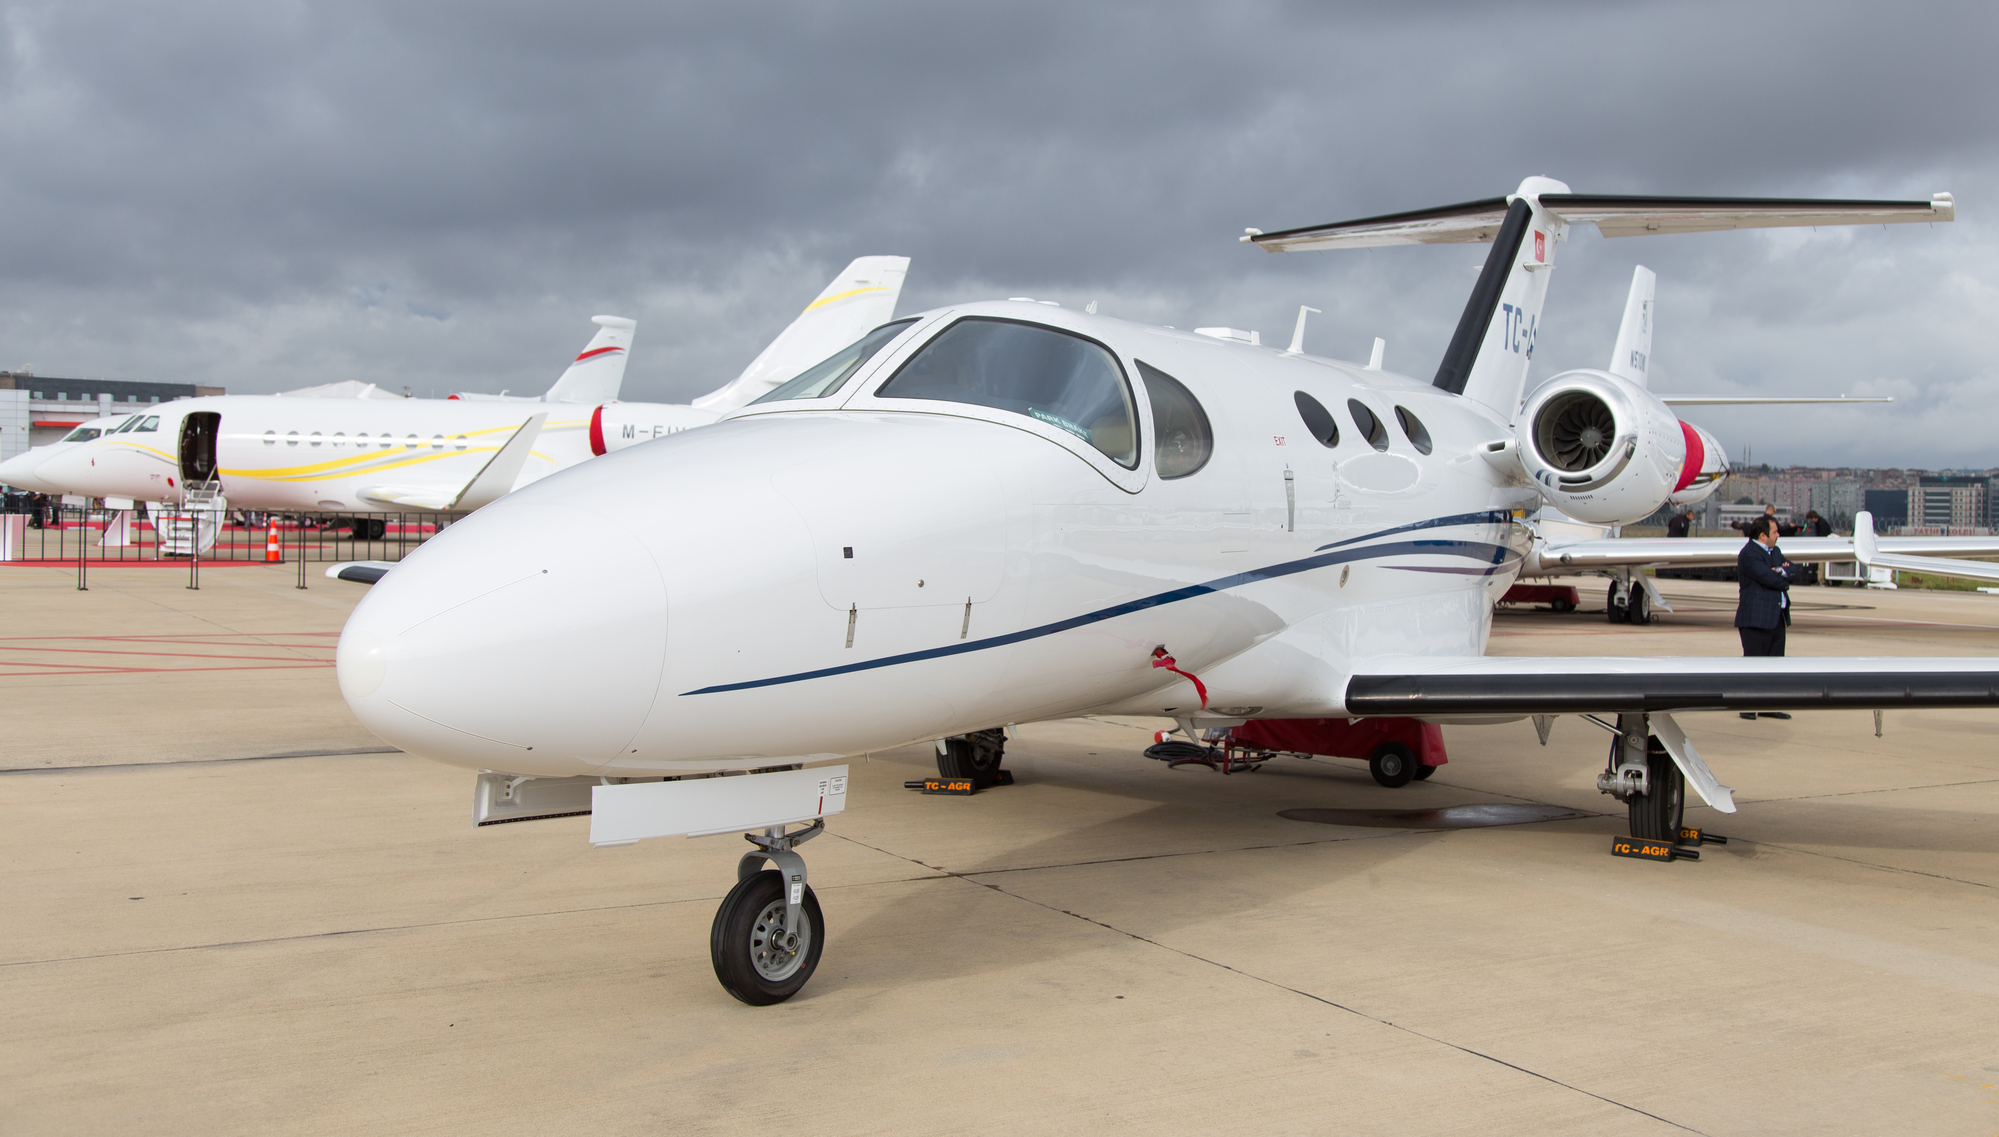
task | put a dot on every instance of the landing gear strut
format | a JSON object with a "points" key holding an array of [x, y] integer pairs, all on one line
{"points": [[1644, 777], [768, 932]]}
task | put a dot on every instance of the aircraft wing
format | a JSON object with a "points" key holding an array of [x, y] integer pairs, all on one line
{"points": [[1416, 686], [493, 481], [1616, 552]]}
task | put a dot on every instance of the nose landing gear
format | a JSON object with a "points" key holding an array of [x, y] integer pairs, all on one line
{"points": [[768, 933]]}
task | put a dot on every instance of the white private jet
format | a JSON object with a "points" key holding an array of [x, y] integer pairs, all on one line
{"points": [[1564, 546], [19, 471], [1008, 511], [294, 454]]}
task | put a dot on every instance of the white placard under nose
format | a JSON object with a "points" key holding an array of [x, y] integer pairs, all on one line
{"points": [[702, 807]]}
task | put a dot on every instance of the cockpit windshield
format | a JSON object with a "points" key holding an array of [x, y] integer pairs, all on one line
{"points": [[1070, 383], [86, 433], [827, 378]]}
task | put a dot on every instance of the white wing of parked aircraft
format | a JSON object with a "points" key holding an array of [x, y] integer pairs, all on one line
{"points": [[1003, 512]]}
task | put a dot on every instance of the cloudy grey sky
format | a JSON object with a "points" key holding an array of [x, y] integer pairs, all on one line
{"points": [[273, 194]]}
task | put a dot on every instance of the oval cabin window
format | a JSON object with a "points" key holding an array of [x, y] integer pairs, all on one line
{"points": [[1318, 420], [1369, 424], [1412, 429]]}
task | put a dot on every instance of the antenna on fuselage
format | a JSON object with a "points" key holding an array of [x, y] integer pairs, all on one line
{"points": [[1298, 333], [1374, 358]]}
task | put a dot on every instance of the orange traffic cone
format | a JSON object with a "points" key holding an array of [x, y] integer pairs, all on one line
{"points": [[274, 552]]}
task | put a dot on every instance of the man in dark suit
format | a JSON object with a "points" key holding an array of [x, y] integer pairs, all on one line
{"points": [[1763, 578]]}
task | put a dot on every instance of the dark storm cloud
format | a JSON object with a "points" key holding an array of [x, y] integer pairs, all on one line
{"points": [[440, 195]]}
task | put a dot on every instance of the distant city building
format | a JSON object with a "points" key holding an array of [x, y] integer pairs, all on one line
{"points": [[1949, 502], [1889, 507], [38, 409]]}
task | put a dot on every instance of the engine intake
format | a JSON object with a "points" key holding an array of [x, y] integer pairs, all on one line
{"points": [[1602, 449]]}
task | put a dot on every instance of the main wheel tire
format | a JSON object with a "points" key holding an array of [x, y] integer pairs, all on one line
{"points": [[1392, 764], [754, 959], [1657, 814], [1615, 604], [1639, 610], [378, 528], [976, 756], [1423, 772]]}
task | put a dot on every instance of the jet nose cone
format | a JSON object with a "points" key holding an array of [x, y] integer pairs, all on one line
{"points": [[20, 472], [527, 639]]}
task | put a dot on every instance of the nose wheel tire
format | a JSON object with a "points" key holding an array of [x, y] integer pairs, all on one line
{"points": [[756, 959], [1392, 764], [1657, 814]]}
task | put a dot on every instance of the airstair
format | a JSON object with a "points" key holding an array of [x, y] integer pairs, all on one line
{"points": [[196, 523]]}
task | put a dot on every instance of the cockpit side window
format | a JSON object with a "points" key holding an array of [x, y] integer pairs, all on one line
{"points": [[129, 424], [827, 378], [82, 434], [150, 426], [1182, 439], [1070, 383]]}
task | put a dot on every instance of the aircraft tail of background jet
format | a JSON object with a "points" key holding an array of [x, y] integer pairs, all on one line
{"points": [[1633, 353], [861, 298], [596, 375]]}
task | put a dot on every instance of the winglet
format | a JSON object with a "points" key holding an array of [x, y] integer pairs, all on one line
{"points": [[1864, 547], [497, 477]]}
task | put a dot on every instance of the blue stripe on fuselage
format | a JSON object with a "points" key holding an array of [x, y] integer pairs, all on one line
{"points": [[1333, 554]]}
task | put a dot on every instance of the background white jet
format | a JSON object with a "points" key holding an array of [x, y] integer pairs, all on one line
{"points": [[306, 454]]}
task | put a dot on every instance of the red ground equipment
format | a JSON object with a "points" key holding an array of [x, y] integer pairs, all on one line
{"points": [[1560, 597], [1397, 750]]}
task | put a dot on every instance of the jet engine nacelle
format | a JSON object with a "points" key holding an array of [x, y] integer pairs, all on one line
{"points": [[1602, 449], [1704, 470], [615, 426]]}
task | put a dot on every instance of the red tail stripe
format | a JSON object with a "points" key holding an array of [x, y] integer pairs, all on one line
{"points": [[598, 352]]}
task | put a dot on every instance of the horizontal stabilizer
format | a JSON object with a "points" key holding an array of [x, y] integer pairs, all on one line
{"points": [[1615, 215], [1413, 686]]}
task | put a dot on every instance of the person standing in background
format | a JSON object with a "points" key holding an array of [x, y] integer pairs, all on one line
{"points": [[1680, 524], [1763, 608]]}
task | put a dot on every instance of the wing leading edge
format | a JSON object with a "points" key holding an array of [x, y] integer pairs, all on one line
{"points": [[1411, 686]]}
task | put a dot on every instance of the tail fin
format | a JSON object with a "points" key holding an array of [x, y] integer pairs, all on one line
{"points": [[596, 375], [1494, 343], [1629, 359], [860, 299]]}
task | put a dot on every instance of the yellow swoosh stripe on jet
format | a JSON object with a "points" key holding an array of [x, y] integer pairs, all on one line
{"points": [[825, 300], [379, 453], [399, 463]]}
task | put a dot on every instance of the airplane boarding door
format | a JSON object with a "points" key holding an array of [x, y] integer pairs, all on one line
{"points": [[197, 446]]}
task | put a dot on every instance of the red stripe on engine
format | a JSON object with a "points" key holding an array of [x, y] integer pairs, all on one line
{"points": [[1696, 457], [598, 352], [597, 432]]}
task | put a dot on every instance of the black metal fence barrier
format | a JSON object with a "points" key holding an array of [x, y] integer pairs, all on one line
{"points": [[57, 534]]}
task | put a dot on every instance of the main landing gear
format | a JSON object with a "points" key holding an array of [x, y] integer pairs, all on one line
{"points": [[768, 933], [1627, 602], [1644, 777], [976, 756]]}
